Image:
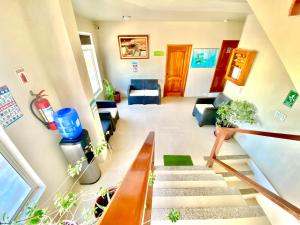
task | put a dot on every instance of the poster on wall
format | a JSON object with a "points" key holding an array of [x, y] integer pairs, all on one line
{"points": [[21, 75], [133, 46], [204, 57], [135, 66], [9, 110]]}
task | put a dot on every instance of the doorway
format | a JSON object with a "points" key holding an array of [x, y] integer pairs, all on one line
{"points": [[219, 81], [178, 62]]}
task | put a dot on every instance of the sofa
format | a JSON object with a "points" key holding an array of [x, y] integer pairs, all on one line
{"points": [[144, 91], [109, 115], [205, 109]]}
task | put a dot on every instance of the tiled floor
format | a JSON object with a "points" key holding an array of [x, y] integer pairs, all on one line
{"points": [[176, 132]]}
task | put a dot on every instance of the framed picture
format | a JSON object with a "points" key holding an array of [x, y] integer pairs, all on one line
{"points": [[204, 57], [134, 46]]}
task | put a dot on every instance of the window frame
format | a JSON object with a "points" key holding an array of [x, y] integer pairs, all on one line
{"points": [[91, 47], [13, 156]]}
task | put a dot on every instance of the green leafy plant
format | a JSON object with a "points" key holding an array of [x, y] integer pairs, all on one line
{"points": [[174, 215], [109, 90], [74, 170], [64, 203], [152, 178], [229, 115], [36, 215]]}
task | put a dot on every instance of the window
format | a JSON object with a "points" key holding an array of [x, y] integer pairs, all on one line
{"points": [[19, 184], [91, 62]]}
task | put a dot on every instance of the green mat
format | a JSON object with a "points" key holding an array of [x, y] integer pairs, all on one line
{"points": [[178, 160]]}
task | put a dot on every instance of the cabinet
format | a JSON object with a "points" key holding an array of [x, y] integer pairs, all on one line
{"points": [[239, 66]]}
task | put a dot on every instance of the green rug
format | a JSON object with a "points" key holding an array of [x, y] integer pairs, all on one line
{"points": [[178, 160]]}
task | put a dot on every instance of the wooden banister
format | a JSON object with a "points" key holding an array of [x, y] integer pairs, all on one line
{"points": [[127, 206], [292, 209]]}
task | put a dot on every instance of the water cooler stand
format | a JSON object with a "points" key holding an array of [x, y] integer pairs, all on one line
{"points": [[75, 149]]}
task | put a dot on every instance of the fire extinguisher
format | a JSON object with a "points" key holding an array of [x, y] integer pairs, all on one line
{"points": [[45, 109]]}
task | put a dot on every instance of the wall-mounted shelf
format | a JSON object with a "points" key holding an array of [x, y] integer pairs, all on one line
{"points": [[239, 66], [295, 8]]}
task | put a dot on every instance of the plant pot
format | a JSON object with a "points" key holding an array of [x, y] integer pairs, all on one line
{"points": [[228, 136], [117, 97], [103, 201]]}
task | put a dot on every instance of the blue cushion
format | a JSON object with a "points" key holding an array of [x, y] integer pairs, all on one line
{"points": [[138, 84], [106, 125], [151, 84]]}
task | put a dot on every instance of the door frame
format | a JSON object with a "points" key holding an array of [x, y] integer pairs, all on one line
{"points": [[185, 69], [218, 61]]}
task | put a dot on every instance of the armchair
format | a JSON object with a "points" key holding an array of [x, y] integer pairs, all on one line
{"points": [[205, 109]]}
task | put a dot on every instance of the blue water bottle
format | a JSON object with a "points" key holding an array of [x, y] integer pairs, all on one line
{"points": [[68, 123]]}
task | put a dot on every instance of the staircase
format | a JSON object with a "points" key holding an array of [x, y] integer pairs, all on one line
{"points": [[205, 196]]}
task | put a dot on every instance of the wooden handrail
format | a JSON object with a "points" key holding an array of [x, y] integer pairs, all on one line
{"points": [[127, 206], [292, 209]]}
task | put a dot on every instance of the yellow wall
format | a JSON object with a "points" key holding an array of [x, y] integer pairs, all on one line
{"points": [[283, 32], [34, 36], [267, 86]]}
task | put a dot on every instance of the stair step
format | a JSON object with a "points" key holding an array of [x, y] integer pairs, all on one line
{"points": [[262, 220], [210, 213], [231, 159], [199, 191], [239, 166], [181, 168], [190, 184], [189, 177], [228, 174], [197, 201]]}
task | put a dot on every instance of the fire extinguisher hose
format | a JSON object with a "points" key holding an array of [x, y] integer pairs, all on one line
{"points": [[36, 116]]}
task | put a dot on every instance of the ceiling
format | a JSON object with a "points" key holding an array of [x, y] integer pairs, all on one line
{"points": [[163, 10]]}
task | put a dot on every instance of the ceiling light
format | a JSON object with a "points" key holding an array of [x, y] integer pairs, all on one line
{"points": [[126, 18]]}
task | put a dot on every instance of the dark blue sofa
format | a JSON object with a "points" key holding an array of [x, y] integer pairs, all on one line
{"points": [[144, 91]]}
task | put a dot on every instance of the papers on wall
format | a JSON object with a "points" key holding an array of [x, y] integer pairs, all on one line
{"points": [[236, 73], [9, 110]]}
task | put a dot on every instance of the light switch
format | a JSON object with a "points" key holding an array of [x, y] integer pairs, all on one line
{"points": [[280, 116]]}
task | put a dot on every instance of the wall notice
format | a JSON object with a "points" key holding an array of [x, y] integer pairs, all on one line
{"points": [[9, 110], [291, 98]]}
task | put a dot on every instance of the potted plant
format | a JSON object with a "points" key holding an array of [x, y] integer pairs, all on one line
{"points": [[110, 92], [238, 111], [105, 195]]}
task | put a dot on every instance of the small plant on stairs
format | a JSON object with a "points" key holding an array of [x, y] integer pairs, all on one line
{"points": [[174, 215], [152, 178]]}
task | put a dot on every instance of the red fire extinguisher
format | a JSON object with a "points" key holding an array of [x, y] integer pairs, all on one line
{"points": [[45, 109]]}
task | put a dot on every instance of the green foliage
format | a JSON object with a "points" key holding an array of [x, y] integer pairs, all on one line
{"points": [[229, 115], [99, 148], [88, 216], [152, 178], [64, 203], [102, 191], [35, 215], [109, 90], [4, 218], [174, 215], [74, 170]]}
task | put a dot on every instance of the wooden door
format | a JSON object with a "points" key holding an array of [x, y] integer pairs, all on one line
{"points": [[178, 62], [219, 81]]}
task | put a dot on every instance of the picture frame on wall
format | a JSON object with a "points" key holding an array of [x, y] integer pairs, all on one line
{"points": [[204, 57], [134, 46]]}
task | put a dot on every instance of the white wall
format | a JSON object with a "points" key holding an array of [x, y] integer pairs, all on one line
{"points": [[267, 86], [199, 34]]}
